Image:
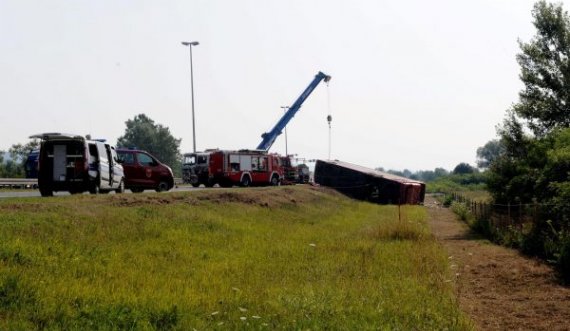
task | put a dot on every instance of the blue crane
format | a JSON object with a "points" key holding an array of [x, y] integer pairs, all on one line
{"points": [[268, 138]]}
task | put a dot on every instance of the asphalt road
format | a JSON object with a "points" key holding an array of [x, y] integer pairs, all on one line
{"points": [[35, 193]]}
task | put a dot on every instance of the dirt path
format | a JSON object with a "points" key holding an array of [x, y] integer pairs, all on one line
{"points": [[497, 287]]}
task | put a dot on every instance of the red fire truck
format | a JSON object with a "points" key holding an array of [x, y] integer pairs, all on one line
{"points": [[245, 168]]}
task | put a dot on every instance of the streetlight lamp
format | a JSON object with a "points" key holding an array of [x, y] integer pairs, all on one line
{"points": [[190, 44], [285, 110]]}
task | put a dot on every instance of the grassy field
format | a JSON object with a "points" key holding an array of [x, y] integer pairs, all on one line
{"points": [[269, 258]]}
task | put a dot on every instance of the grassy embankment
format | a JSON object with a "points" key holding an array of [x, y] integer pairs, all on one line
{"points": [[292, 258]]}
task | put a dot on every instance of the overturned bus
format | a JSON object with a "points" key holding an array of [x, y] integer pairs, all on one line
{"points": [[368, 184]]}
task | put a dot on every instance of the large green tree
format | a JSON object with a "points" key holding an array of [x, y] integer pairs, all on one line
{"points": [[545, 71], [518, 173], [489, 152], [14, 167], [20, 151], [143, 133], [463, 168], [534, 165]]}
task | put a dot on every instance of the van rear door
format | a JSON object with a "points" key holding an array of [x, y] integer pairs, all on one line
{"points": [[104, 166], [59, 163]]}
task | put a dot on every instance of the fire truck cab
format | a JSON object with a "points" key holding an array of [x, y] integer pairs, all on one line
{"points": [[245, 168]]}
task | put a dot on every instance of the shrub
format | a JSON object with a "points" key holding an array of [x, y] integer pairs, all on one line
{"points": [[564, 257], [461, 210], [448, 201]]}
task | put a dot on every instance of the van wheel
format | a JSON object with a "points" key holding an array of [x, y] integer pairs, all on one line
{"points": [[195, 184], [274, 181], [121, 188], [162, 186], [245, 181], [94, 189], [46, 193]]}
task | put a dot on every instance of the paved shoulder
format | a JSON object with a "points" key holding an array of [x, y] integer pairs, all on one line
{"points": [[498, 287]]}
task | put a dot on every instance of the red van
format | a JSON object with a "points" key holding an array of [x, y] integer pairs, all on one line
{"points": [[144, 171]]}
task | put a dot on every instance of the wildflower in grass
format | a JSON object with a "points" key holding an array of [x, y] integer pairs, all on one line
{"points": [[215, 313], [236, 289], [457, 274], [221, 323], [450, 257], [243, 318], [243, 310], [256, 317], [313, 245]]}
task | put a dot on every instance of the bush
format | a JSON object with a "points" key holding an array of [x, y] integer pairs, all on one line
{"points": [[564, 258], [483, 227], [461, 210], [448, 201]]}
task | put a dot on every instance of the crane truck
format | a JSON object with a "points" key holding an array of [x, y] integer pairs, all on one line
{"points": [[246, 167], [268, 138]]}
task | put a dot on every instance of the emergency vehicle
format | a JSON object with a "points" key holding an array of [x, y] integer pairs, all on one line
{"points": [[245, 168]]}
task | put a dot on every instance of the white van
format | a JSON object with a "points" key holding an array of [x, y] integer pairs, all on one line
{"points": [[72, 163]]}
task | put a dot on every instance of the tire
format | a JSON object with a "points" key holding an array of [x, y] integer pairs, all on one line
{"points": [[245, 181], [274, 181], [162, 187], [121, 188], [94, 189], [46, 192], [136, 190], [195, 184]]}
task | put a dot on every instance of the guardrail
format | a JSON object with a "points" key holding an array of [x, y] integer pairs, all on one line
{"points": [[33, 182], [18, 182]]}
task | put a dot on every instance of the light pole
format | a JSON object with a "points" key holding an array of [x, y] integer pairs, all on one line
{"points": [[190, 44], [285, 109]]}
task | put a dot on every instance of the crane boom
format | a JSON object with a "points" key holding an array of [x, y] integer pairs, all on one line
{"points": [[268, 138]]}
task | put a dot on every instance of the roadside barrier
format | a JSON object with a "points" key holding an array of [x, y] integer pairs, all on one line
{"points": [[18, 183], [32, 183]]}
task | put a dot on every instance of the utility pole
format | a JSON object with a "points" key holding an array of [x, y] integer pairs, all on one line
{"points": [[190, 44]]}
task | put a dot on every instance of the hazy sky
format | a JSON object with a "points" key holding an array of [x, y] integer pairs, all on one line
{"points": [[415, 84]]}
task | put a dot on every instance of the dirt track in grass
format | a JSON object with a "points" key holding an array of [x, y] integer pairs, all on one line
{"points": [[499, 288]]}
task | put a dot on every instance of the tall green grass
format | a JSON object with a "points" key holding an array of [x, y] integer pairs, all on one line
{"points": [[272, 258]]}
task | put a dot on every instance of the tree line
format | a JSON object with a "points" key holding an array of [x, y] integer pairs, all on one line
{"points": [[529, 162]]}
